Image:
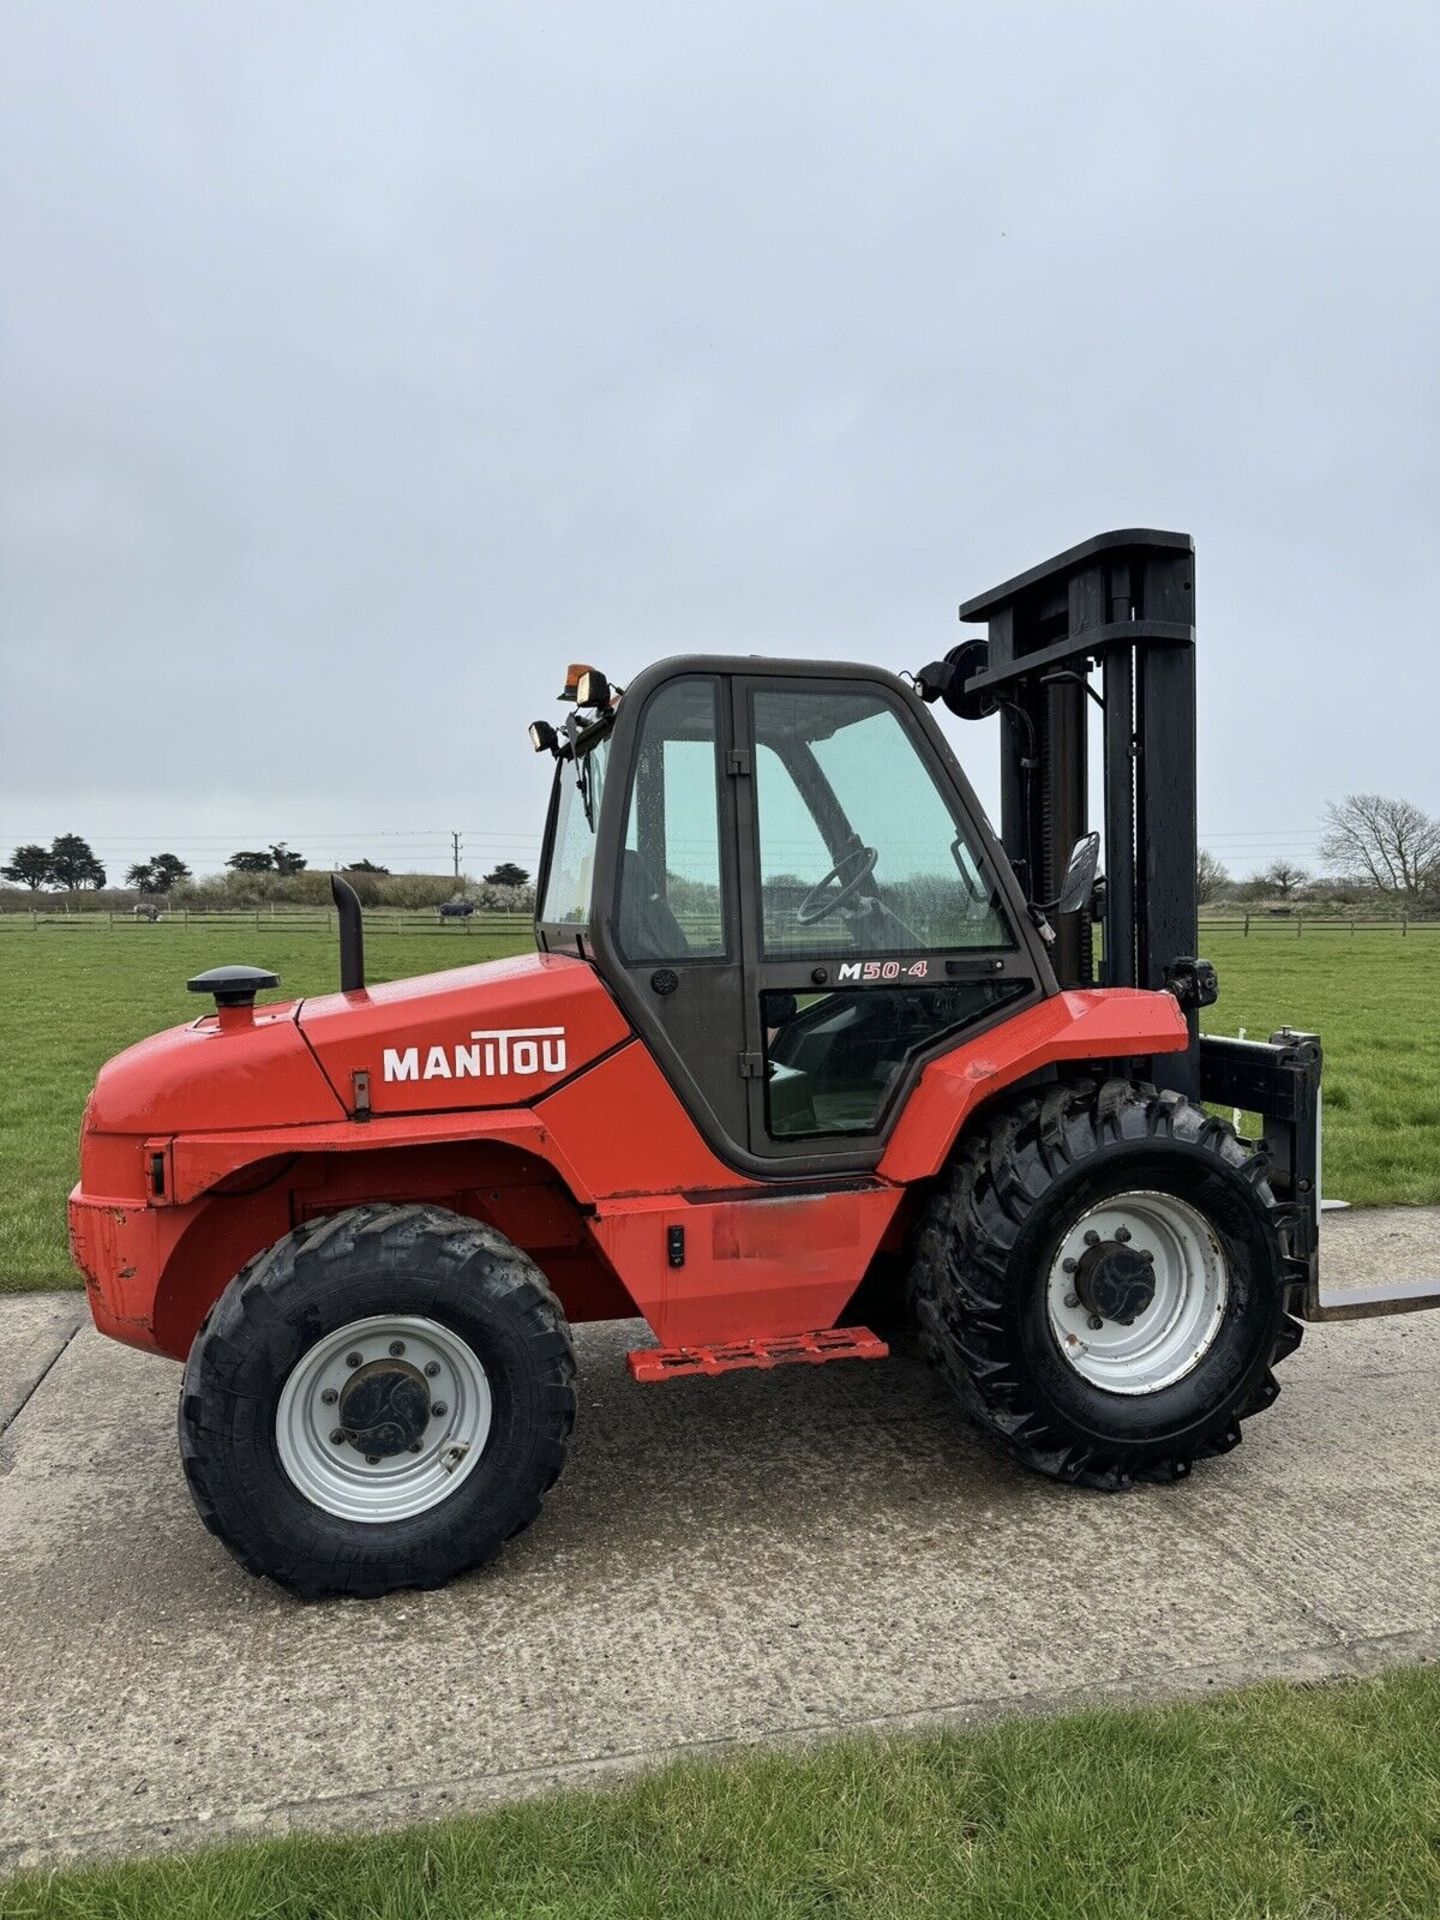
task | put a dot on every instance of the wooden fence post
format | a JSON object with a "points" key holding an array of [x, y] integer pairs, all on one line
{"points": [[1404, 925], [1299, 922]]}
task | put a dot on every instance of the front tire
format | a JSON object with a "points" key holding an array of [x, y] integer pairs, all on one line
{"points": [[1100, 1278], [379, 1400]]}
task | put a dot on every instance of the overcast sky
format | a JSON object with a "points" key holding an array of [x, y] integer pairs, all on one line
{"points": [[363, 365]]}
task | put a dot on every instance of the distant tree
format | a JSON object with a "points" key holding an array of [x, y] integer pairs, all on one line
{"points": [[251, 862], [363, 866], [284, 861], [1211, 877], [29, 867], [1391, 842], [1283, 877], [73, 863], [159, 875], [507, 874]]}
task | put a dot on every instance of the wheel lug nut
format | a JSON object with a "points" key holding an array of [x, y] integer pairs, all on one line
{"points": [[329, 1396], [1146, 1254], [1092, 1238], [432, 1368], [1072, 1299], [1068, 1266], [1096, 1323], [397, 1347], [1122, 1233], [372, 1459], [337, 1438], [439, 1409], [414, 1446], [352, 1359]]}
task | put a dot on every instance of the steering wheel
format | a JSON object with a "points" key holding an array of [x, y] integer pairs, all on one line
{"points": [[819, 905]]}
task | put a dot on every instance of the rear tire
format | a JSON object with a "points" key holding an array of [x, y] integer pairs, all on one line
{"points": [[1023, 1314], [379, 1400]]}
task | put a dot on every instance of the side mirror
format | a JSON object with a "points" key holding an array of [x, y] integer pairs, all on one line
{"points": [[1079, 881]]}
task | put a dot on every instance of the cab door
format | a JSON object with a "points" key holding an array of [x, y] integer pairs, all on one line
{"points": [[672, 946], [875, 927]]}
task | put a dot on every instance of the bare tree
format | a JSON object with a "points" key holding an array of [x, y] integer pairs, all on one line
{"points": [[1391, 842], [1211, 876], [1284, 877]]}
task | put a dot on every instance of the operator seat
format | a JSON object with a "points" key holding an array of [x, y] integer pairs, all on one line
{"points": [[648, 930]]}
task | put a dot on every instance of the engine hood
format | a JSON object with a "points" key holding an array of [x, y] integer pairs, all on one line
{"points": [[496, 1035], [207, 1077]]}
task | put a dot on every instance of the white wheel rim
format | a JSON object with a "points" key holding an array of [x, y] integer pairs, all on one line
{"points": [[1170, 1336], [341, 1478]]}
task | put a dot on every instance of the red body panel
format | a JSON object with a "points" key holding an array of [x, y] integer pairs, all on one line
{"points": [[625, 1131], [495, 1035], [754, 1268], [204, 1145]]}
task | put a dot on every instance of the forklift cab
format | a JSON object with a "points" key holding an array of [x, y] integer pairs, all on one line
{"points": [[790, 887]]}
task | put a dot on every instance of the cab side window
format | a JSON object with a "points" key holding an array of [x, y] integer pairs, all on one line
{"points": [[670, 904]]}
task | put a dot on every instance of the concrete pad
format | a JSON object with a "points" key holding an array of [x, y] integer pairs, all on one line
{"points": [[760, 1557], [34, 1329], [1380, 1246]]}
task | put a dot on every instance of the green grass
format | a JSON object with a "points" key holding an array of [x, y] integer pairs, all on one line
{"points": [[1288, 1803], [72, 997], [1374, 999]]}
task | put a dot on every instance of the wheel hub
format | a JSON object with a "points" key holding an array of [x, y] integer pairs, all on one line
{"points": [[385, 1408], [1116, 1282]]}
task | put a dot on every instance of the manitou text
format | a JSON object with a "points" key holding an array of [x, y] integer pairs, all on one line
{"points": [[492, 1050]]}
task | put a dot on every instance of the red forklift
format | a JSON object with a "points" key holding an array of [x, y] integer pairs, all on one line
{"points": [[803, 1044]]}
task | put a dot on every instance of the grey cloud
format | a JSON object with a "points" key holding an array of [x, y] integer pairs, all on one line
{"points": [[362, 365]]}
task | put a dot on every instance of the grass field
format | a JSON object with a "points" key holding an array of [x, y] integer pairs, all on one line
{"points": [[73, 997], [1374, 999], [1287, 1803]]}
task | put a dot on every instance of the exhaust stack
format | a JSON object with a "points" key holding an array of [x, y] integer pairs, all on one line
{"points": [[352, 935]]}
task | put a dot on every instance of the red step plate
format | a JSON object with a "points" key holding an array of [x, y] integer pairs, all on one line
{"points": [[807, 1349]]}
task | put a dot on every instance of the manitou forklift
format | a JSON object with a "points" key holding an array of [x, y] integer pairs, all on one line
{"points": [[797, 1025]]}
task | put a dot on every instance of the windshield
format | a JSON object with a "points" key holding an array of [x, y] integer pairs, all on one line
{"points": [[572, 856]]}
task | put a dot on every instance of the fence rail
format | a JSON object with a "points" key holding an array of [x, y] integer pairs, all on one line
{"points": [[428, 920], [296, 919], [1299, 923]]}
